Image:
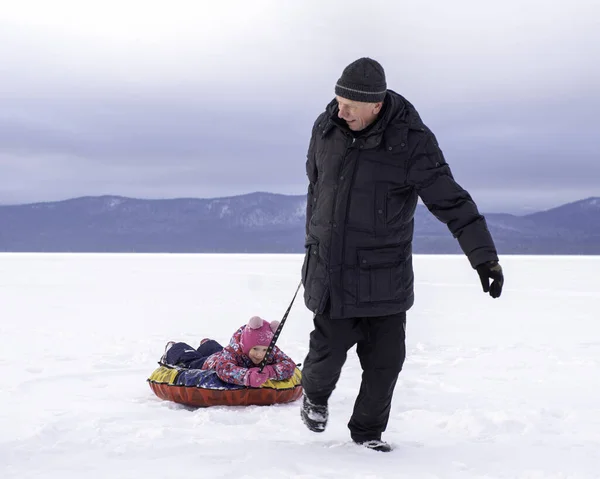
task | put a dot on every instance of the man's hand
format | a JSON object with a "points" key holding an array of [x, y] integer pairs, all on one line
{"points": [[491, 270]]}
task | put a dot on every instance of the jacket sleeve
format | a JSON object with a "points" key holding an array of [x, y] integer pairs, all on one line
{"points": [[429, 173], [311, 172], [282, 364], [226, 367]]}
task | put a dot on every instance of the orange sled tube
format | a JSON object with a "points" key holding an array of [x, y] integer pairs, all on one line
{"points": [[198, 397], [162, 382]]}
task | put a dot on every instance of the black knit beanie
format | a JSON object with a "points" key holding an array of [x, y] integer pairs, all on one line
{"points": [[362, 80]]}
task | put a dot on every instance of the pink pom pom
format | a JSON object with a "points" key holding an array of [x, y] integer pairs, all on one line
{"points": [[274, 325], [255, 322]]}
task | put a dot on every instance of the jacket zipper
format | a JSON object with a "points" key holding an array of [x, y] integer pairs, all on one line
{"points": [[348, 149]]}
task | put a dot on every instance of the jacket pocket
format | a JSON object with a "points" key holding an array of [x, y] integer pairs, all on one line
{"points": [[311, 254], [381, 274], [400, 203]]}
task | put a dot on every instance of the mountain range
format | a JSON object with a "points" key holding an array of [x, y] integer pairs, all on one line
{"points": [[260, 223]]}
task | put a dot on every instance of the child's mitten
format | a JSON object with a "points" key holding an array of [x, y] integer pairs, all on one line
{"points": [[255, 379], [270, 370]]}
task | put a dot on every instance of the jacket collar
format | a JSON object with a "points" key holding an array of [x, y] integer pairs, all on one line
{"points": [[398, 114]]}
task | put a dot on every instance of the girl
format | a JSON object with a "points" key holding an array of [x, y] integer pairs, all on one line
{"points": [[236, 363]]}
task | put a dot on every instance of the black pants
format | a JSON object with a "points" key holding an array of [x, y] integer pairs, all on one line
{"points": [[381, 349], [182, 354]]}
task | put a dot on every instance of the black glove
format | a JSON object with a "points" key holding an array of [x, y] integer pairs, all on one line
{"points": [[491, 270]]}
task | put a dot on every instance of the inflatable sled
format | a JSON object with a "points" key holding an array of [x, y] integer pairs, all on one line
{"points": [[203, 388]]}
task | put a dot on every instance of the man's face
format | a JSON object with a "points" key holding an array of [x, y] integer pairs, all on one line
{"points": [[358, 115]]}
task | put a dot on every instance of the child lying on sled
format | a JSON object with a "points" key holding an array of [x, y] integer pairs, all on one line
{"points": [[237, 362]]}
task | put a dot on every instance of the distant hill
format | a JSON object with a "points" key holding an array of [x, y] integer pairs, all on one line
{"points": [[259, 223]]}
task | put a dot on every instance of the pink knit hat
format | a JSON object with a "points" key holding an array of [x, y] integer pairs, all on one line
{"points": [[257, 332]]}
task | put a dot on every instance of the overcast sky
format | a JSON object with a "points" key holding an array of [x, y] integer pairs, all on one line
{"points": [[155, 99]]}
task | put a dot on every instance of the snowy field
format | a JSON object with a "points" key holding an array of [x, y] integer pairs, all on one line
{"points": [[506, 388]]}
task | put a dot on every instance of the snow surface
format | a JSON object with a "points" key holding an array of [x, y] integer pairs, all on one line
{"points": [[491, 388]]}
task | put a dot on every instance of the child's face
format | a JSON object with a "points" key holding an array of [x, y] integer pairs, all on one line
{"points": [[257, 353]]}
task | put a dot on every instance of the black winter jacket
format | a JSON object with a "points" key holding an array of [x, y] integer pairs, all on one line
{"points": [[362, 195]]}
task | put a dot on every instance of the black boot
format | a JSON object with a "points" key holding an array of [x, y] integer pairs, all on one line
{"points": [[375, 445], [314, 415]]}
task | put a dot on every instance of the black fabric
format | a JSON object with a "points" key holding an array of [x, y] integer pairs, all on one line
{"points": [[182, 354], [381, 350], [363, 80], [362, 196]]}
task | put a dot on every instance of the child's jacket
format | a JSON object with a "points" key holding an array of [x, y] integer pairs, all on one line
{"points": [[231, 364]]}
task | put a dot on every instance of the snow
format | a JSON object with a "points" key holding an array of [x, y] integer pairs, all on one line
{"points": [[225, 211], [114, 202], [592, 203], [506, 388], [300, 211]]}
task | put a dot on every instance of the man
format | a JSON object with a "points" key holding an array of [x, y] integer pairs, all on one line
{"points": [[370, 157]]}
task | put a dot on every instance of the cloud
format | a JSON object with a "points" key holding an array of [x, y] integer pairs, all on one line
{"points": [[195, 99]]}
